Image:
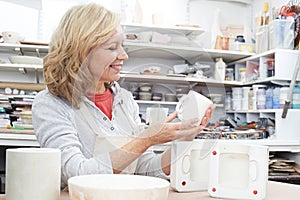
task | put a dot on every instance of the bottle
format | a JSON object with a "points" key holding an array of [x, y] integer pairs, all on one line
{"points": [[220, 69], [296, 97], [261, 98], [276, 98], [242, 75], [269, 98], [250, 99], [228, 100]]}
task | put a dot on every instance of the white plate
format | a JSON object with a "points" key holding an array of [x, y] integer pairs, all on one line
{"points": [[26, 60]]}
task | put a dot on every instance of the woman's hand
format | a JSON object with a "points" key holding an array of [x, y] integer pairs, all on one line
{"points": [[168, 131], [208, 115]]}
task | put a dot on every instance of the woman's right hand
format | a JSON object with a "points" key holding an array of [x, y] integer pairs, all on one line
{"points": [[168, 131]]}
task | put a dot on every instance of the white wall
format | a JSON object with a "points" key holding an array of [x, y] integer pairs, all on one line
{"points": [[36, 19]]}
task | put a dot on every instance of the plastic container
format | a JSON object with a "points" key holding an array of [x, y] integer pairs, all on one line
{"points": [[242, 75], [270, 67], [281, 34], [237, 93], [229, 74], [220, 69], [276, 98], [255, 98], [228, 99], [269, 98], [250, 99], [245, 92], [261, 98], [296, 97], [236, 104]]}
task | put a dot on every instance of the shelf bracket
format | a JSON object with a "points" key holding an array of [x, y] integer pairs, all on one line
{"points": [[22, 70], [37, 52], [37, 78], [19, 50]]}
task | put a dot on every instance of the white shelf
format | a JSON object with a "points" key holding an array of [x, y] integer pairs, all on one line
{"points": [[254, 111], [25, 47], [177, 80], [129, 28], [189, 53], [11, 139], [17, 66]]}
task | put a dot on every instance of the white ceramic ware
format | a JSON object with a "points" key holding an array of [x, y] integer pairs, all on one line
{"points": [[190, 165], [32, 173], [11, 37], [193, 105], [238, 171], [26, 60], [156, 115], [118, 186]]}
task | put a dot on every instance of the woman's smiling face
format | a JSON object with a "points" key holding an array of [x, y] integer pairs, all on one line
{"points": [[106, 61]]}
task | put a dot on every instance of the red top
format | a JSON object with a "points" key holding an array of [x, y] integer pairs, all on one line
{"points": [[103, 101]]}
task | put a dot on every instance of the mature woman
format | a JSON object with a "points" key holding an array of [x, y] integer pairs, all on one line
{"points": [[84, 106]]}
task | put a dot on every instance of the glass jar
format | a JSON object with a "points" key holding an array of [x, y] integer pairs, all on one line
{"points": [[229, 74], [270, 67], [242, 75]]}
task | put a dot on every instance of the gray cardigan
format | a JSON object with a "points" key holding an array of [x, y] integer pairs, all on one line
{"points": [[59, 125]]}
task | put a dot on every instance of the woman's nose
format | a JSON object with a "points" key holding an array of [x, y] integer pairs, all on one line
{"points": [[122, 55]]}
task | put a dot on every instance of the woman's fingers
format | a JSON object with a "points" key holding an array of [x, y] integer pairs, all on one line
{"points": [[189, 134], [208, 115], [189, 123], [171, 117]]}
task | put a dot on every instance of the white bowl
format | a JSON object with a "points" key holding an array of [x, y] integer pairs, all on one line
{"points": [[26, 60], [118, 186]]}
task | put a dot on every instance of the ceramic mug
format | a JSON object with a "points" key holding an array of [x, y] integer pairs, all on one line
{"points": [[193, 105], [156, 115]]}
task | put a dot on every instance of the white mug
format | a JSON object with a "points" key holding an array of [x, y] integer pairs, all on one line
{"points": [[156, 115], [193, 105], [33, 173]]}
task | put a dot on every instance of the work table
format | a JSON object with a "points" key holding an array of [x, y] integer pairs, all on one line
{"points": [[276, 191]]}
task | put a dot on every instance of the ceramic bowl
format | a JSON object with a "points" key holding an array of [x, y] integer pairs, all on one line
{"points": [[118, 186], [146, 96]]}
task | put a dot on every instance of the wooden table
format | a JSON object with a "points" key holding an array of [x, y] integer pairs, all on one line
{"points": [[276, 191]]}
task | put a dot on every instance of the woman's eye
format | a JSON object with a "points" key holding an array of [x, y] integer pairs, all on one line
{"points": [[112, 48]]}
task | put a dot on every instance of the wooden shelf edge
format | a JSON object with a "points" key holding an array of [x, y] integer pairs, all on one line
{"points": [[23, 86]]}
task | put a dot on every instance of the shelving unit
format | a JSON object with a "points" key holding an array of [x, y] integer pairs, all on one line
{"points": [[187, 54]]}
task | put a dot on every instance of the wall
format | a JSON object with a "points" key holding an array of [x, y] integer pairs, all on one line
{"points": [[36, 20]]}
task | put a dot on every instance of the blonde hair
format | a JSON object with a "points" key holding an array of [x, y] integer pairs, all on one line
{"points": [[81, 29]]}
